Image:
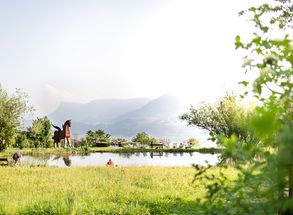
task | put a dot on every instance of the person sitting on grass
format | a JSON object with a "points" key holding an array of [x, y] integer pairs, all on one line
{"points": [[16, 157], [110, 163]]}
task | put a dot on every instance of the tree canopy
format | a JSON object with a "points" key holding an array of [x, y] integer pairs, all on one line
{"points": [[226, 117], [93, 138], [144, 138], [264, 182], [13, 107], [40, 133]]}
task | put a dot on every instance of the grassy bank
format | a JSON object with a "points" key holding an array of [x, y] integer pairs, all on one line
{"points": [[39, 151], [132, 190]]}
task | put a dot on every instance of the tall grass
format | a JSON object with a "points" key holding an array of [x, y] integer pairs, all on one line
{"points": [[131, 190], [100, 190]]}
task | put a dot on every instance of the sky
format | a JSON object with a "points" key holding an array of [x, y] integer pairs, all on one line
{"points": [[81, 50]]}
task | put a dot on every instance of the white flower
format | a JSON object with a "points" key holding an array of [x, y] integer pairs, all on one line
{"points": [[247, 62]]}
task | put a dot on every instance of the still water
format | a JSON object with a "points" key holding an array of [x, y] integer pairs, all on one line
{"points": [[126, 159]]}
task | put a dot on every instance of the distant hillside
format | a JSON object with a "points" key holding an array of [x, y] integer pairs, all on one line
{"points": [[97, 111], [125, 118], [164, 107]]}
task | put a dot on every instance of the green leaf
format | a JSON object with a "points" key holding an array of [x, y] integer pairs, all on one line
{"points": [[245, 83], [238, 43]]}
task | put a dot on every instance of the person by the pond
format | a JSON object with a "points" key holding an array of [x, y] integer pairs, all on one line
{"points": [[16, 157], [110, 163]]}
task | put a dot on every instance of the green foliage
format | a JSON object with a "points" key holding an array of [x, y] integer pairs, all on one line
{"points": [[12, 109], [22, 140], [40, 133], [94, 138], [227, 117], [268, 17], [144, 138], [265, 181]]}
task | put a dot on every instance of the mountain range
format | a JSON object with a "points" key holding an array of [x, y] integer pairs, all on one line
{"points": [[126, 117]]}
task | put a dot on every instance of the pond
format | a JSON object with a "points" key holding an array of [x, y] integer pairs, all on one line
{"points": [[126, 159]]}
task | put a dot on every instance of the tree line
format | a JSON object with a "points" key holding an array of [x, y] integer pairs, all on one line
{"points": [[14, 107]]}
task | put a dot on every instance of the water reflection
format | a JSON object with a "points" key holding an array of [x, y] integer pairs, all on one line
{"points": [[159, 154], [125, 155], [67, 161], [127, 159]]}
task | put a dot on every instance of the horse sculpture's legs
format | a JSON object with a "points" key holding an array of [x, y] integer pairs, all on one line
{"points": [[67, 141], [57, 143]]}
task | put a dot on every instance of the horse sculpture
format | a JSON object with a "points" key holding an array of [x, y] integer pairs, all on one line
{"points": [[61, 134]]}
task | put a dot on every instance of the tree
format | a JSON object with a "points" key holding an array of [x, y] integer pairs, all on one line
{"points": [[93, 138], [227, 117], [102, 136], [12, 110], [264, 184], [273, 87], [90, 138], [22, 140], [144, 138], [40, 133]]}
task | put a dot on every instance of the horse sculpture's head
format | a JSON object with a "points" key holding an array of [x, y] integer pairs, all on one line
{"points": [[68, 122]]}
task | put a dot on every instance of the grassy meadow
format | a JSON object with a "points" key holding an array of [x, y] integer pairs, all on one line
{"points": [[101, 190]]}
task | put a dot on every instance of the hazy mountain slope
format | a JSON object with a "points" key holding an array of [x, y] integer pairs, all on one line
{"points": [[125, 118], [97, 111], [159, 118], [163, 107]]}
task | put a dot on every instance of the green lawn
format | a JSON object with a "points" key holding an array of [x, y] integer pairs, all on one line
{"points": [[101, 190]]}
